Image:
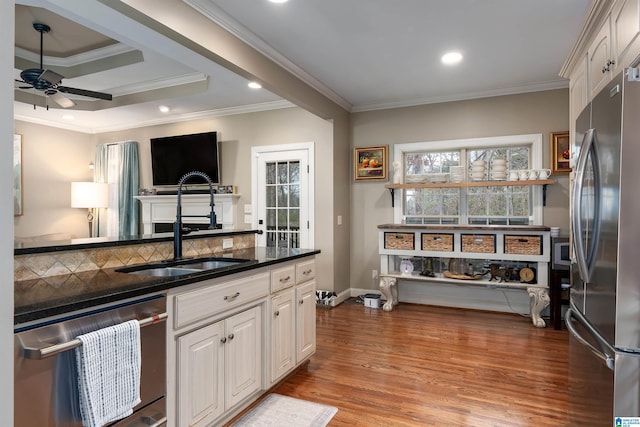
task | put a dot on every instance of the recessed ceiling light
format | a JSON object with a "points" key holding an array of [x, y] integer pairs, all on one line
{"points": [[254, 85], [278, 1], [67, 117], [164, 108], [450, 58]]}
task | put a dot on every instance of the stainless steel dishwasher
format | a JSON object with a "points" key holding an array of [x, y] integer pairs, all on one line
{"points": [[45, 378]]}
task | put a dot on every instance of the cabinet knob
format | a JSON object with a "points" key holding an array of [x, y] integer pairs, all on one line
{"points": [[301, 302], [277, 313], [223, 340], [230, 337]]}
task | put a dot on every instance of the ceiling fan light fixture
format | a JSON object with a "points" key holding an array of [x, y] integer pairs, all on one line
{"points": [[451, 58], [164, 108], [255, 85]]}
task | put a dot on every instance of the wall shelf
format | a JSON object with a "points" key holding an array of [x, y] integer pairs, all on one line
{"points": [[543, 182]]}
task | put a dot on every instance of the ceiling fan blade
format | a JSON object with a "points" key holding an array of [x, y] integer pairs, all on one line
{"points": [[62, 100], [51, 77], [84, 92]]}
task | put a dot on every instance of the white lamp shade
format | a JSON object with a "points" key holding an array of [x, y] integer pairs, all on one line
{"points": [[89, 195]]}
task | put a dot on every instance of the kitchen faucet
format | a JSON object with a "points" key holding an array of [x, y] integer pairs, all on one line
{"points": [[178, 231]]}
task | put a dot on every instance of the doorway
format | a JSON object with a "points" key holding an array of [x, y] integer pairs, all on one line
{"points": [[282, 195]]}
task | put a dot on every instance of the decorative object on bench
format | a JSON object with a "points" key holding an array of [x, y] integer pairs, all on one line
{"points": [[528, 274], [499, 273]]}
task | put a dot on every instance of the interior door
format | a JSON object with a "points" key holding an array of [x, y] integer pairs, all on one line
{"points": [[282, 197]]}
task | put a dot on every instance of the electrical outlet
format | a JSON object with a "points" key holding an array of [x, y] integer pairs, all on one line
{"points": [[227, 243], [374, 274], [339, 219]]}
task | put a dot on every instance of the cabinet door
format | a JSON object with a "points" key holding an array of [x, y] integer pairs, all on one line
{"points": [[201, 375], [598, 56], [243, 355], [305, 320], [625, 24], [283, 334]]}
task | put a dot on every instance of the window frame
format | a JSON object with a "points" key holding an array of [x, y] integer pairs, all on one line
{"points": [[534, 141]]}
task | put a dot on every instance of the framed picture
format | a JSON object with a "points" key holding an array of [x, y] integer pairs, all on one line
{"points": [[560, 152], [17, 175], [370, 163]]}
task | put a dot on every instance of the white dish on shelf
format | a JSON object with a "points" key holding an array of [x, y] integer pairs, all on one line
{"points": [[415, 179], [439, 178]]}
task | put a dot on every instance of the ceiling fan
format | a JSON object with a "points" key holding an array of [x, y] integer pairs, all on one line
{"points": [[49, 81]]}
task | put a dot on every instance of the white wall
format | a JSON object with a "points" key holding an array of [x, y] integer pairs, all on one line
{"points": [[51, 159], [539, 112], [6, 208]]}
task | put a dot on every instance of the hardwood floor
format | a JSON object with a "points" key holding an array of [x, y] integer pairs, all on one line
{"points": [[433, 366]]}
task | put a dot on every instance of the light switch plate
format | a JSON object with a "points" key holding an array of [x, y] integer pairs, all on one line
{"points": [[248, 219], [248, 209]]}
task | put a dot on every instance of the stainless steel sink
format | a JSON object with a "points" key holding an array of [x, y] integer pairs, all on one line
{"points": [[184, 267], [212, 264], [165, 271]]}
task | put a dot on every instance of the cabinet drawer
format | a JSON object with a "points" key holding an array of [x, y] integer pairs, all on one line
{"points": [[404, 241], [527, 245], [305, 271], [482, 243], [202, 303], [282, 278], [437, 242]]}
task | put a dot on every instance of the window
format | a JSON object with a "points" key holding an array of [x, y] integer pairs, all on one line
{"points": [[433, 162]]}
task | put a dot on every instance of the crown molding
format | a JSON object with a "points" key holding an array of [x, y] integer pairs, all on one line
{"points": [[559, 84], [75, 60], [159, 84], [221, 112]]}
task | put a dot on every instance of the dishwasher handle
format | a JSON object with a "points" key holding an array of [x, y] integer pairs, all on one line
{"points": [[607, 359], [43, 353]]}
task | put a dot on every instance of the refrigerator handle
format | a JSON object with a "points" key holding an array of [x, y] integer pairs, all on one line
{"points": [[581, 165], [607, 359]]}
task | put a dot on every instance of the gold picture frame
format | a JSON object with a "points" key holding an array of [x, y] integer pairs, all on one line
{"points": [[370, 163], [560, 152]]}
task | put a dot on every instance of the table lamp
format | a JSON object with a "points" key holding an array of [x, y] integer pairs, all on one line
{"points": [[89, 195]]}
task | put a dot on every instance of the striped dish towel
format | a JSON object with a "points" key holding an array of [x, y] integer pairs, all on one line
{"points": [[108, 363]]}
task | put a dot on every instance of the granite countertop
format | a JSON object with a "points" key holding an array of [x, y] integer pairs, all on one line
{"points": [[38, 299], [465, 227]]}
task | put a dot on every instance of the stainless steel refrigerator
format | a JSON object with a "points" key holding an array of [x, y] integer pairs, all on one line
{"points": [[604, 316]]}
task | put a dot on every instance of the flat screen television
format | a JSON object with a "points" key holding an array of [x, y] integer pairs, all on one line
{"points": [[174, 156]]}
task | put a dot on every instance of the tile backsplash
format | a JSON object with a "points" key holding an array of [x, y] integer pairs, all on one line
{"points": [[34, 266]]}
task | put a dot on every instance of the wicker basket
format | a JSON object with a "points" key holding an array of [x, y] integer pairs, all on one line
{"points": [[404, 241], [481, 243], [437, 242], [526, 245]]}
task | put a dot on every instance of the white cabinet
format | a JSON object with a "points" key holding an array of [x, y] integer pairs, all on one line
{"points": [[283, 334], [625, 27], [293, 317], [600, 59], [201, 375], [305, 320], [219, 366], [231, 338], [578, 93]]}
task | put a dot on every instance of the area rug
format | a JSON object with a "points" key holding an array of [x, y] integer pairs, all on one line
{"points": [[278, 410]]}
